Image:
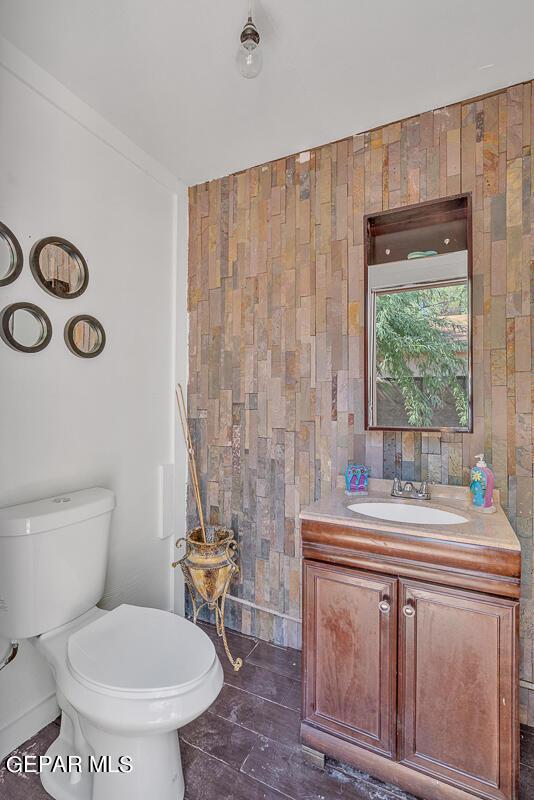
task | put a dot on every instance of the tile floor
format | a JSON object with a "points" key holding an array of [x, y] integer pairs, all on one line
{"points": [[246, 747]]}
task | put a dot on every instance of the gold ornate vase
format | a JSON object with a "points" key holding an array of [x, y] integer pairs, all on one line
{"points": [[208, 567]]}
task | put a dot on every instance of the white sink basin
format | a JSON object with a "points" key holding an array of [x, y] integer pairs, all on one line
{"points": [[402, 512]]}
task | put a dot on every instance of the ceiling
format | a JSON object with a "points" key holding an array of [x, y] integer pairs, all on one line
{"points": [[164, 71]]}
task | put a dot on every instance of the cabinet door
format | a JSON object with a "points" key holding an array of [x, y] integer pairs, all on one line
{"points": [[350, 635], [457, 687]]}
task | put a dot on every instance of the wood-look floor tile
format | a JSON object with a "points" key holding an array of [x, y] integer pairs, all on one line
{"points": [[266, 684], [240, 646], [272, 770], [358, 776], [284, 769], [261, 716], [220, 738], [27, 786], [527, 747], [283, 660], [526, 783], [247, 748], [207, 778]]}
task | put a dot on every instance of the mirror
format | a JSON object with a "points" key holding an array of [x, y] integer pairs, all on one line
{"points": [[10, 256], [85, 336], [418, 318], [59, 267], [25, 327]]}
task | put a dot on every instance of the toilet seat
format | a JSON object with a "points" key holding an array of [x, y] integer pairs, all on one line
{"points": [[135, 652], [99, 700]]}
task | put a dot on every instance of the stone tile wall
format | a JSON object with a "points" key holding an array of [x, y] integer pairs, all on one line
{"points": [[276, 335]]}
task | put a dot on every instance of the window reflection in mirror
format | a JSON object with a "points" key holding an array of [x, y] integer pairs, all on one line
{"points": [[418, 319], [421, 361]]}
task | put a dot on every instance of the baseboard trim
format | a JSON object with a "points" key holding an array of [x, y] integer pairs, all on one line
{"points": [[265, 609], [27, 725]]}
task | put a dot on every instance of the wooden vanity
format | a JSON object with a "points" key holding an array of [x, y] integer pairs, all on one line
{"points": [[411, 646]]}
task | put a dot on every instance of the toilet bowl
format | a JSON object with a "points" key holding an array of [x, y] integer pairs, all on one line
{"points": [[126, 680]]}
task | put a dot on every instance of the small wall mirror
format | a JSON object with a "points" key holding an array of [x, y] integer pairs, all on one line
{"points": [[418, 317], [10, 256], [85, 336], [59, 267], [25, 327]]}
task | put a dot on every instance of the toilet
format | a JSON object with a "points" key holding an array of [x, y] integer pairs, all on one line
{"points": [[126, 680]]}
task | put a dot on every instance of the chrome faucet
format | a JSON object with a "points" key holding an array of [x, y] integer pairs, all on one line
{"points": [[409, 490]]}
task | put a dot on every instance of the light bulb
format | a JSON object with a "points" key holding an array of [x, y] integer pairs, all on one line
{"points": [[250, 61], [249, 55]]}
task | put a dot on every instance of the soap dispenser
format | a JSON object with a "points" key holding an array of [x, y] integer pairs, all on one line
{"points": [[481, 486]]}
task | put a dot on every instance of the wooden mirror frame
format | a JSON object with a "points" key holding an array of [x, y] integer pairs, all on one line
{"points": [[16, 252], [8, 337], [69, 335], [404, 217], [72, 251]]}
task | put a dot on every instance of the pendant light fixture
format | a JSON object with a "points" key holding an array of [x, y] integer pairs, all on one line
{"points": [[249, 55]]}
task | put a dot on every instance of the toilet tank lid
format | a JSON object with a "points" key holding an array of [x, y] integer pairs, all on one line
{"points": [[39, 516]]}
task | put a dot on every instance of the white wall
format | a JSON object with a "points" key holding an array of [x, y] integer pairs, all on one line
{"points": [[66, 422]]}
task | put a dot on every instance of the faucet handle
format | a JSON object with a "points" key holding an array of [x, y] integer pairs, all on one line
{"points": [[424, 490], [397, 487]]}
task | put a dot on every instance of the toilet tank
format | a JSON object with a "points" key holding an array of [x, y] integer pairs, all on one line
{"points": [[53, 558]]}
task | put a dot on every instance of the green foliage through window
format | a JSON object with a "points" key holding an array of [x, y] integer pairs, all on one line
{"points": [[421, 349]]}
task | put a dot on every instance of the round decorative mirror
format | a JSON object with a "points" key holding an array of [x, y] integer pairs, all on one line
{"points": [[59, 267], [10, 256], [85, 336], [25, 327]]}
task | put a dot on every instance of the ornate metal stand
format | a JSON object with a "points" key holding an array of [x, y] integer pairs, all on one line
{"points": [[208, 568]]}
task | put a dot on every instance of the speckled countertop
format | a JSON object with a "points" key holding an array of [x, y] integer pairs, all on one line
{"points": [[489, 529]]}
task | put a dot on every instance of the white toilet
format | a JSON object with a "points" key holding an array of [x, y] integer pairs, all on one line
{"points": [[126, 680]]}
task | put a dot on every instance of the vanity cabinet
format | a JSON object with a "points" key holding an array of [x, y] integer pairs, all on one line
{"points": [[456, 686], [410, 671], [352, 649]]}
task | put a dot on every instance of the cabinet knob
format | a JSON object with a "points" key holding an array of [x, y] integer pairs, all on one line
{"points": [[408, 610], [384, 606]]}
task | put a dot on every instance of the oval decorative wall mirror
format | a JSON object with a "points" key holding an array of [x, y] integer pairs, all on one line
{"points": [[25, 327], [85, 336], [59, 267], [10, 256]]}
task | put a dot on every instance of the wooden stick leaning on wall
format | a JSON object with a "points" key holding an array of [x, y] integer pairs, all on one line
{"points": [[182, 411]]}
